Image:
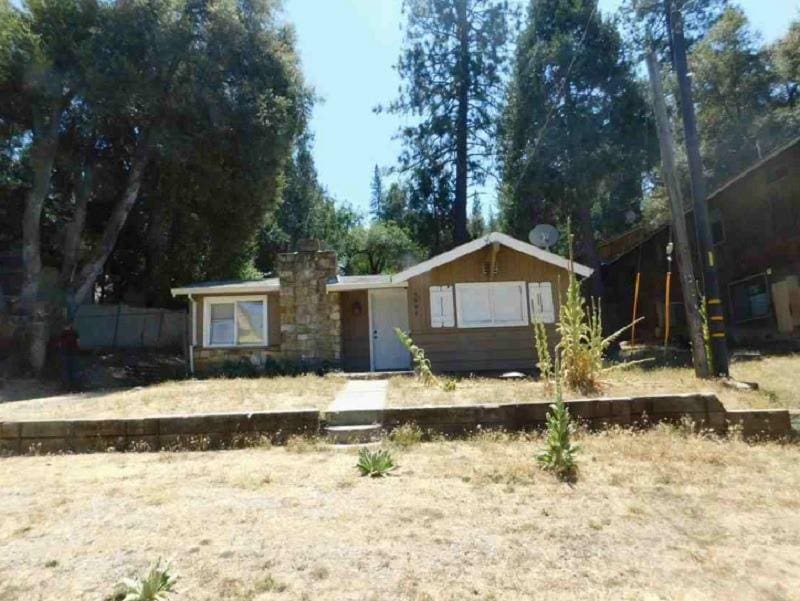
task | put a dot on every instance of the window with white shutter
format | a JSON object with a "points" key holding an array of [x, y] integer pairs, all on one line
{"points": [[541, 301], [442, 314], [491, 304]]}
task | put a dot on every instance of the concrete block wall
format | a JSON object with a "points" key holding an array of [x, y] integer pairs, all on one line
{"points": [[209, 430]]}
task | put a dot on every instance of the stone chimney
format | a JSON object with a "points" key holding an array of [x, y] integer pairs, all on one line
{"points": [[311, 329]]}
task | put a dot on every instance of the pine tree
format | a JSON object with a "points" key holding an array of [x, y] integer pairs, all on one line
{"points": [[477, 225], [577, 136], [376, 189], [452, 68]]}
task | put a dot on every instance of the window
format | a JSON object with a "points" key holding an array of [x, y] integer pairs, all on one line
{"points": [[442, 315], [541, 301], [235, 321], [493, 304], [750, 298]]}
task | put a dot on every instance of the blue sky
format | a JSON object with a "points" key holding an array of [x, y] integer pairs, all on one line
{"points": [[348, 48]]}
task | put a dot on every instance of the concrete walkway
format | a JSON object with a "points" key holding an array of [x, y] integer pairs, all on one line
{"points": [[361, 395]]}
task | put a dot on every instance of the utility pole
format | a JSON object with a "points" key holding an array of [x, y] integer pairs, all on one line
{"points": [[716, 316], [684, 251]]}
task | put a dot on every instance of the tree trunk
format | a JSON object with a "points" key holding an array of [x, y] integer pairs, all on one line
{"points": [[462, 126], [94, 267], [74, 230], [684, 251], [701, 220], [43, 154]]}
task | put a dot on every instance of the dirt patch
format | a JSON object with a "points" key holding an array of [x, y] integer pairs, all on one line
{"points": [[777, 377], [654, 513]]}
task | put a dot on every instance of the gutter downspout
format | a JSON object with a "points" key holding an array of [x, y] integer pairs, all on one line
{"points": [[193, 339]]}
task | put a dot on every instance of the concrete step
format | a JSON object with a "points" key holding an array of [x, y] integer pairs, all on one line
{"points": [[354, 417], [353, 434]]}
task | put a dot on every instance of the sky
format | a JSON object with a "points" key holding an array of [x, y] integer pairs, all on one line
{"points": [[348, 49]]}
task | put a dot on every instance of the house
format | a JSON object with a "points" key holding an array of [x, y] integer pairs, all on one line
{"points": [[755, 223], [470, 308]]}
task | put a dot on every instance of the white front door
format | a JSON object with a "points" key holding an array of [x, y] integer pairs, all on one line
{"points": [[388, 309]]}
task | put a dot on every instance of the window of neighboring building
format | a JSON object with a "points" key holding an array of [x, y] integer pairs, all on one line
{"points": [[235, 321], [750, 298], [491, 304]]}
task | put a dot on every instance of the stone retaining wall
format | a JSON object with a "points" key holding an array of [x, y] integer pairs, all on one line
{"points": [[705, 410], [214, 430], [218, 430]]}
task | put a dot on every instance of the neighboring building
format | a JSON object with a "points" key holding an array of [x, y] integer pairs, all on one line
{"points": [[755, 222], [469, 308]]}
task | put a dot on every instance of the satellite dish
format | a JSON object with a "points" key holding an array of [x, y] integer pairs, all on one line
{"points": [[543, 235]]}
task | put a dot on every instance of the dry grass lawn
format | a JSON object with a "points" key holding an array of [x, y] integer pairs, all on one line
{"points": [[778, 377], [654, 515], [188, 396]]}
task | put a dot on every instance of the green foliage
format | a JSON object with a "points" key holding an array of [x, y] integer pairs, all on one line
{"points": [[165, 82], [156, 585], [306, 210], [559, 454], [380, 248], [734, 87], [544, 361], [375, 464], [422, 365], [452, 66], [576, 135]]}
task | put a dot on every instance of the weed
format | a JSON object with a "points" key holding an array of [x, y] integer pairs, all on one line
{"points": [[422, 365], [545, 360], [156, 585], [270, 585], [375, 464], [298, 443], [407, 435], [582, 347], [559, 453]]}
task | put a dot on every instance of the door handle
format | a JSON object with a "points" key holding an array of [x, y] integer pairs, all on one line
{"points": [[374, 334]]}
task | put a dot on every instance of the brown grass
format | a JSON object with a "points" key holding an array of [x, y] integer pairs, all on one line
{"points": [[653, 515], [778, 378], [189, 396]]}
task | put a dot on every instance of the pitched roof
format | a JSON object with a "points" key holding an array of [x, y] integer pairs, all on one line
{"points": [[489, 239], [230, 287], [399, 280]]}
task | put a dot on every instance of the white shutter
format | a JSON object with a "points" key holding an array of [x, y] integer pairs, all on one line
{"points": [[541, 301], [442, 314]]}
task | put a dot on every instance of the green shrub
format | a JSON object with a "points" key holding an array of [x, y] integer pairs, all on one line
{"points": [[559, 453], [156, 585], [375, 464], [422, 365]]}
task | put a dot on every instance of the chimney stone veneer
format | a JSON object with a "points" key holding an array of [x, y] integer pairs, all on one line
{"points": [[311, 324]]}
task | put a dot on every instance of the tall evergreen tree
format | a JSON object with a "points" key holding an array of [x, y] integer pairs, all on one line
{"points": [[577, 137], [452, 67], [376, 192], [306, 210], [477, 224]]}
